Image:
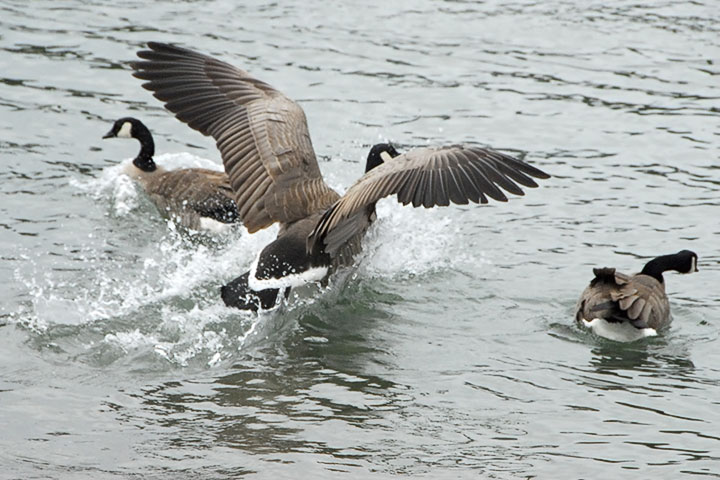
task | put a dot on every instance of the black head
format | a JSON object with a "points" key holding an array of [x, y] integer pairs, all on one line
{"points": [[684, 261], [379, 154], [126, 127]]}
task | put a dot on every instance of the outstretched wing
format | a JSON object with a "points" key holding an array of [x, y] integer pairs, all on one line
{"points": [[427, 177], [262, 135]]}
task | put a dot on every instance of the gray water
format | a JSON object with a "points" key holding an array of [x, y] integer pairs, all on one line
{"points": [[449, 351]]}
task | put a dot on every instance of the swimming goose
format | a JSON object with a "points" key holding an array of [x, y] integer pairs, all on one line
{"points": [[197, 197], [265, 145], [629, 307]]}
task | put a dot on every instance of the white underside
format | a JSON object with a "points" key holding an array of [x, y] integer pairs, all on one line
{"points": [[213, 225], [619, 331], [290, 280]]}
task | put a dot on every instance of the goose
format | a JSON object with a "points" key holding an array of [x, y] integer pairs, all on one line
{"points": [[264, 142], [197, 197], [625, 307]]}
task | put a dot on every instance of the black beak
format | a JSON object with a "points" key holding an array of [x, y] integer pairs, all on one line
{"points": [[110, 134]]}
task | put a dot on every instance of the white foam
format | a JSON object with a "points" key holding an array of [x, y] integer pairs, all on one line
{"points": [[407, 241], [124, 195], [129, 340], [187, 336], [181, 337], [171, 298]]}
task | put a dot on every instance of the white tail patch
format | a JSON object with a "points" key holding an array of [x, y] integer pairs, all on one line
{"points": [[618, 331]]}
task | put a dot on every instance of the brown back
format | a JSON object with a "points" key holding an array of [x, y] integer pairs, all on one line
{"points": [[639, 299]]}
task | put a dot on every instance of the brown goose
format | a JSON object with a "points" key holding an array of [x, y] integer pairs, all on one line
{"points": [[629, 307], [264, 141], [197, 197]]}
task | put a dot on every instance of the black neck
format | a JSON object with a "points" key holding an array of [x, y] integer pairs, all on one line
{"points": [[373, 161], [144, 160], [657, 266]]}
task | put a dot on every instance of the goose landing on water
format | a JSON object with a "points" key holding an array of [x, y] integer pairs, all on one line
{"points": [[197, 197], [264, 141], [629, 307]]}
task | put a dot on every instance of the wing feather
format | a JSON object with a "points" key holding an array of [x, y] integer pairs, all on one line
{"points": [[262, 135], [427, 177], [207, 192]]}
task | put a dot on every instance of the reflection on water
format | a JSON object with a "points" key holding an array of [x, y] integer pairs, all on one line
{"points": [[613, 357]]}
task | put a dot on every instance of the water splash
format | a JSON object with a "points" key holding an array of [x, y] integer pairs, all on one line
{"points": [[149, 288], [156, 294], [123, 192], [407, 242]]}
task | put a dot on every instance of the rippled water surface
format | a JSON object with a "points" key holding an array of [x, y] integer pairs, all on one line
{"points": [[449, 351]]}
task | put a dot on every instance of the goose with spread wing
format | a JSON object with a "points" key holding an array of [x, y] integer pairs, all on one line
{"points": [[626, 308], [264, 141]]}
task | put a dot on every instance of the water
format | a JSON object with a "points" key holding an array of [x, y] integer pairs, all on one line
{"points": [[449, 350]]}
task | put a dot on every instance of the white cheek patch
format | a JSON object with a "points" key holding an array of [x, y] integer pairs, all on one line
{"points": [[125, 131], [693, 267], [298, 279], [385, 156]]}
